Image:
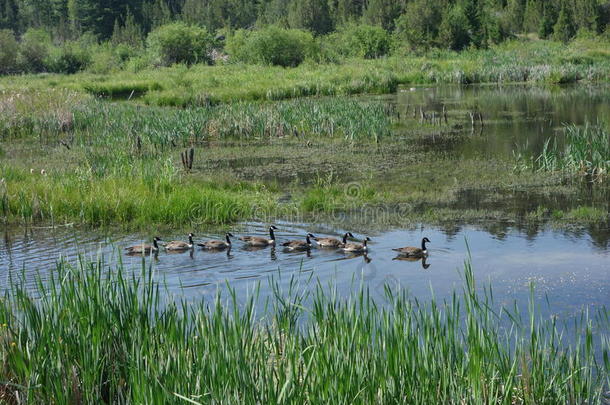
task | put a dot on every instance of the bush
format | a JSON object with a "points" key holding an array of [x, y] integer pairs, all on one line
{"points": [[180, 43], [34, 50], [364, 41], [70, 58], [8, 52], [272, 46]]}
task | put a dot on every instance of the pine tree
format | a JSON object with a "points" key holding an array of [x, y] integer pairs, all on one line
{"points": [[516, 11], [546, 27], [564, 28], [586, 14], [383, 12], [532, 15], [312, 15], [472, 11], [453, 32]]}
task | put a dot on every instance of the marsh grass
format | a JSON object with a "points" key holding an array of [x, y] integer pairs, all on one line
{"points": [[586, 151], [93, 335], [514, 61]]}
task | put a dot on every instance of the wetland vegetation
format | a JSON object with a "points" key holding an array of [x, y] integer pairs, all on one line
{"points": [[145, 117], [89, 335]]}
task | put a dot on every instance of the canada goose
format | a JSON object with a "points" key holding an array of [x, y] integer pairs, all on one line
{"points": [[410, 251], [217, 244], [333, 242], [144, 248], [299, 244], [356, 247], [424, 264], [178, 245], [259, 241]]}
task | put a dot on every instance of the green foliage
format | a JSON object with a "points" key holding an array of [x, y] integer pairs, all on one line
{"points": [[8, 52], [545, 29], [312, 15], [103, 335], [586, 152], [34, 50], [419, 24], [271, 45], [383, 12], [564, 30], [180, 43], [360, 40], [71, 57], [453, 32]]}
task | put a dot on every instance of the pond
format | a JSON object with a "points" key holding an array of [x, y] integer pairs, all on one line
{"points": [[569, 268]]}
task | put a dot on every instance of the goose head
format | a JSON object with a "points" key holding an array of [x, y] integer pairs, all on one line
{"points": [[423, 243], [309, 235]]}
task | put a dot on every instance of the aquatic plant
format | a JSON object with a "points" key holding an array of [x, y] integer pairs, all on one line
{"points": [[92, 335], [586, 151]]}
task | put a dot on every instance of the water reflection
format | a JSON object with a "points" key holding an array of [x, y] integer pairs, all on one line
{"points": [[571, 267]]}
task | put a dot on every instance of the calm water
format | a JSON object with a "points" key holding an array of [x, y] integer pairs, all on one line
{"points": [[568, 267], [571, 268]]}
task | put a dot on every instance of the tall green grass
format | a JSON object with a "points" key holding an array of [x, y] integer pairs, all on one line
{"points": [[87, 335], [586, 151]]}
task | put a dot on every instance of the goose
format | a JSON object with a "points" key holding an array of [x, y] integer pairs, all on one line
{"points": [[299, 244], [144, 248], [178, 245], [217, 244], [259, 241], [356, 247], [410, 251], [333, 242]]}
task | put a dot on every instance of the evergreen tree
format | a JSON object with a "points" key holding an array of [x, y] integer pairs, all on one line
{"points": [[453, 32], [383, 12], [472, 11], [564, 28], [516, 12], [532, 15], [345, 11], [420, 22], [546, 27], [586, 14], [8, 15], [312, 15]]}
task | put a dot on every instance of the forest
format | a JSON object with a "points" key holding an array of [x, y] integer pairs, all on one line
{"points": [[67, 36]]}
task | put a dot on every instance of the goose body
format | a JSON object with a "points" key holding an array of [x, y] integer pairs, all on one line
{"points": [[415, 252], [178, 245], [299, 244], [217, 244], [259, 241], [356, 247], [144, 248], [333, 242]]}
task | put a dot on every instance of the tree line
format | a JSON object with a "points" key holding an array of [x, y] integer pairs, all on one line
{"points": [[419, 20], [66, 36]]}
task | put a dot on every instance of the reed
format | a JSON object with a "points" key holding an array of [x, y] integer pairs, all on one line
{"points": [[92, 335], [585, 151]]}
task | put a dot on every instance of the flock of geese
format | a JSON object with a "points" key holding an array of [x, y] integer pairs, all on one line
{"points": [[261, 242]]}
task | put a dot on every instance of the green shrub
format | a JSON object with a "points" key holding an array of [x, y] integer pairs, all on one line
{"points": [[34, 50], [71, 57], [8, 52], [272, 45], [180, 43], [364, 41]]}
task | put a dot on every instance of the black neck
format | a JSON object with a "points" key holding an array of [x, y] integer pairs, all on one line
{"points": [[345, 239], [423, 244], [155, 244], [307, 239], [271, 234], [365, 242], [190, 240], [228, 240]]}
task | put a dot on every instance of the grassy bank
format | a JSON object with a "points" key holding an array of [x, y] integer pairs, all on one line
{"points": [[516, 61], [89, 337], [305, 159]]}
